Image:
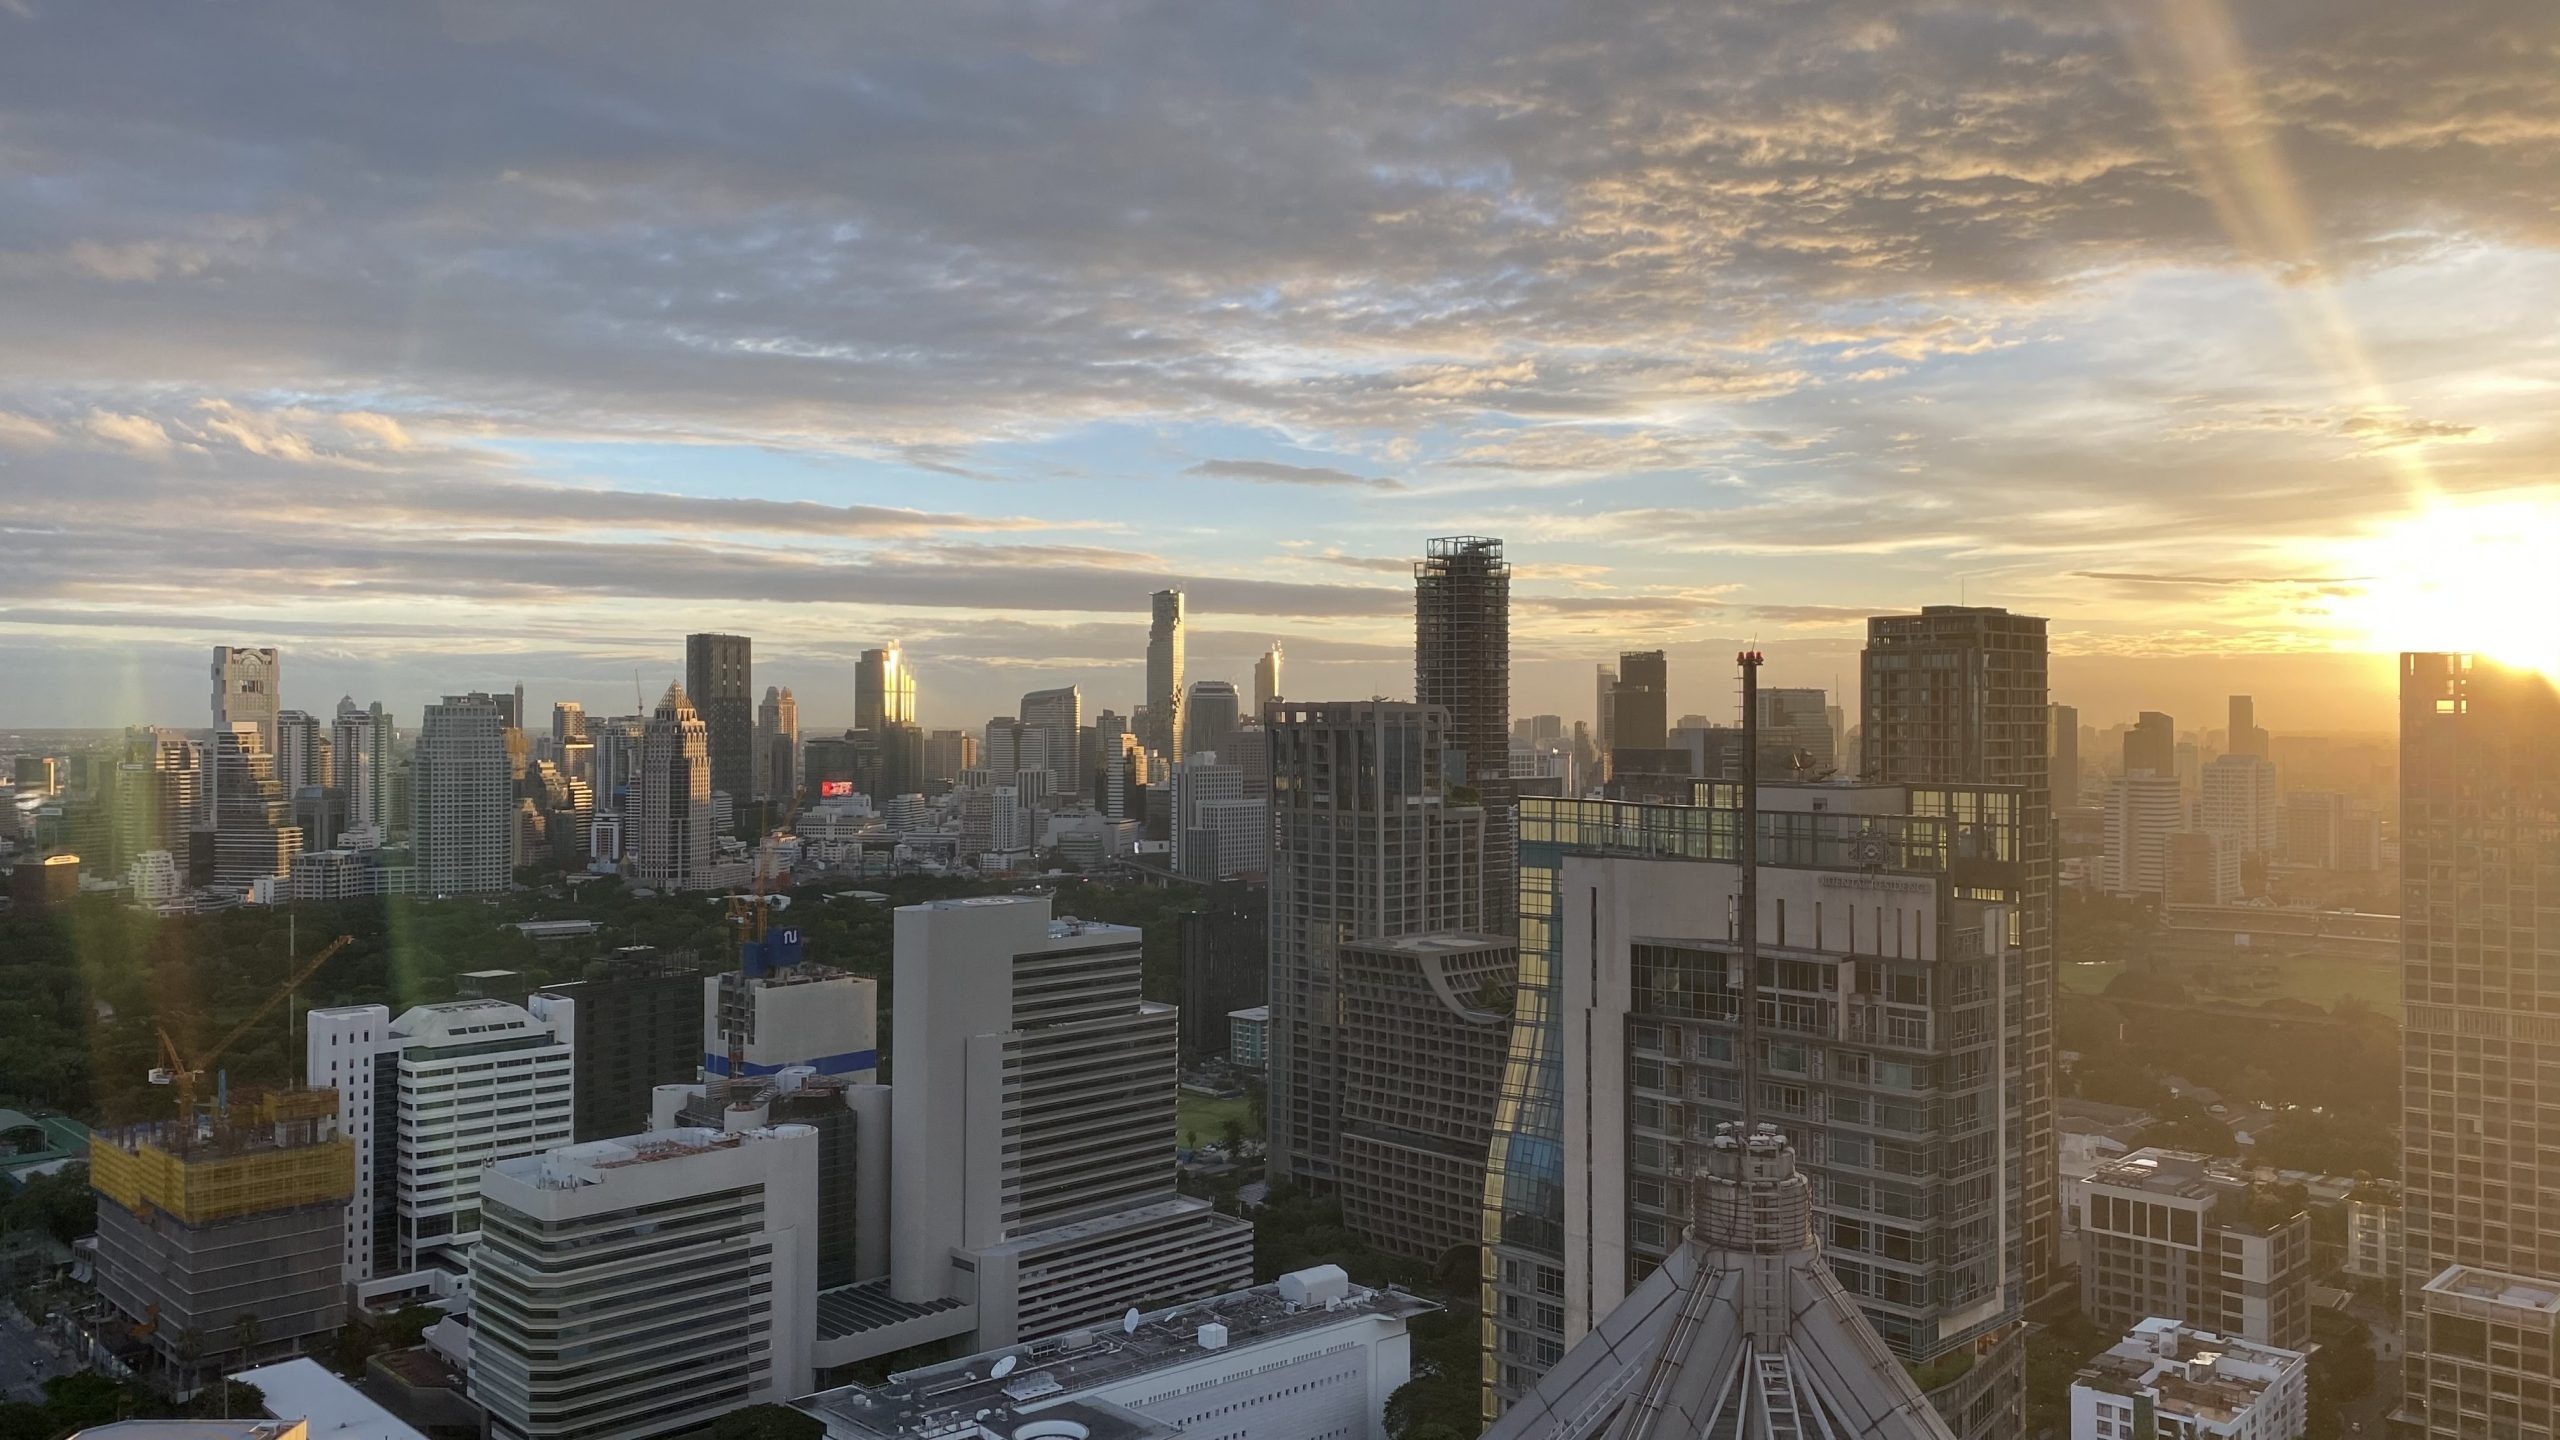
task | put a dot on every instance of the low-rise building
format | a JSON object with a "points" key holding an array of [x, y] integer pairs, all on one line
{"points": [[2171, 1380], [1311, 1355], [1249, 1036], [2171, 1234], [2373, 1231]]}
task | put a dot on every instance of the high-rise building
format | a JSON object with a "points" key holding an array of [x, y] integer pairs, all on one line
{"points": [[2203, 869], [1266, 679], [465, 798], [2151, 746], [1604, 713], [1641, 702], [1795, 735], [303, 752], [948, 753], [430, 1100], [671, 834], [1956, 695], [778, 747], [884, 689], [719, 676], [2330, 831], [2166, 1232], [2479, 779], [1884, 957], [1366, 846], [2062, 742], [1225, 963], [246, 685], [1743, 1331], [1033, 1126], [1162, 732], [1462, 663], [2245, 737], [2238, 803], [1425, 1022], [360, 745], [637, 1287], [1058, 715], [254, 837], [1209, 717], [568, 722], [2144, 814], [782, 1014], [635, 1025], [156, 795]]}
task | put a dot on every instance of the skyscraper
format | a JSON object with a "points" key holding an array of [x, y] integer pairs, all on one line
{"points": [[2245, 737], [1956, 695], [303, 752], [884, 689], [2152, 745], [1641, 713], [254, 837], [670, 838], [2062, 742], [778, 746], [2479, 780], [246, 684], [568, 722], [464, 797], [1366, 846], [1462, 663], [1604, 712], [1209, 718], [360, 745], [1058, 715], [1163, 729], [2237, 802], [1266, 679], [719, 677]]}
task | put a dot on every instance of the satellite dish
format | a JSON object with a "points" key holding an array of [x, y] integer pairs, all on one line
{"points": [[1129, 1322], [1003, 1368]]}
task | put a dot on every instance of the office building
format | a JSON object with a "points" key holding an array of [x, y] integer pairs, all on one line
{"points": [[1310, 1355], [2237, 801], [1033, 1127], [330, 875], [158, 795], [254, 837], [1462, 663], [884, 689], [1058, 716], [780, 1013], [2202, 868], [851, 1118], [2144, 814], [671, 833], [719, 677], [464, 796], [1210, 714], [778, 749], [1956, 695], [218, 1243], [2168, 1379], [1366, 846], [1640, 702], [947, 755], [247, 682], [631, 1288], [1883, 930], [2168, 1233], [429, 1101], [360, 743], [1266, 679], [2478, 781], [1743, 1331], [2151, 745], [2062, 742], [2329, 831], [1161, 728], [1224, 963], [635, 1025], [1795, 735], [2245, 738], [568, 722], [1425, 1023], [302, 752], [1221, 826]]}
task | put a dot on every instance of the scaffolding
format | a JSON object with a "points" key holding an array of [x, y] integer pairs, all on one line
{"points": [[277, 1152]]}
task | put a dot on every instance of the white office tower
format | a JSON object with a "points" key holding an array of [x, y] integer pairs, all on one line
{"points": [[2144, 809], [302, 752], [804, 1015], [430, 1099], [464, 797], [1033, 1126], [1211, 840], [360, 754], [671, 825], [1310, 1355], [2239, 805], [1741, 1333], [630, 1288]]}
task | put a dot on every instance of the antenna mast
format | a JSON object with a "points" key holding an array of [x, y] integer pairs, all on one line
{"points": [[1749, 844]]}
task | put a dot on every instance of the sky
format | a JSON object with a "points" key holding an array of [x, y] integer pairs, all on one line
{"points": [[458, 343]]}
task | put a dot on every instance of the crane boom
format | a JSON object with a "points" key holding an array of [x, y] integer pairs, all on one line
{"points": [[185, 1070]]}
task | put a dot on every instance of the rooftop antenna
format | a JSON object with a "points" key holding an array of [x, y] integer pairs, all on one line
{"points": [[1749, 661]]}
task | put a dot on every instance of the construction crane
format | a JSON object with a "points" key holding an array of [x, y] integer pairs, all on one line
{"points": [[184, 1071]]}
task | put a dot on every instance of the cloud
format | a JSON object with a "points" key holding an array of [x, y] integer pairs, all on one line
{"points": [[1267, 472], [24, 432], [139, 434]]}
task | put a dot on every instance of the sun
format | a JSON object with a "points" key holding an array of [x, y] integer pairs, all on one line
{"points": [[2481, 578]]}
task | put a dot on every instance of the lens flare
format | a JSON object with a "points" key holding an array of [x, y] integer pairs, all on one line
{"points": [[2482, 578]]}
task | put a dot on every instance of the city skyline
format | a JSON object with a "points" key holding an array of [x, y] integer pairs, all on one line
{"points": [[2140, 331]]}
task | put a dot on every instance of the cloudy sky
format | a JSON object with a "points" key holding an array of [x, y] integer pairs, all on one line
{"points": [[452, 344]]}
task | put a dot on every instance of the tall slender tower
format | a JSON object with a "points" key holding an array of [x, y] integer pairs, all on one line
{"points": [[2479, 781], [672, 842], [360, 740], [1058, 715], [1462, 663], [719, 675], [464, 797], [1266, 679], [1956, 695], [884, 689], [1164, 676]]}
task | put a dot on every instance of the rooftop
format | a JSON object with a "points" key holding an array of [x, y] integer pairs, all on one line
{"points": [[448, 1022], [573, 1166], [2496, 1287], [2179, 1173], [302, 1388], [1043, 1373], [2189, 1372]]}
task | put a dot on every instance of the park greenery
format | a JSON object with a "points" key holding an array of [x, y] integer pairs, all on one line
{"points": [[76, 1402]]}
